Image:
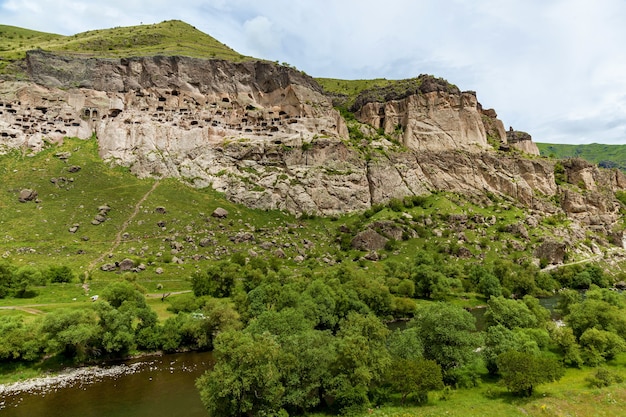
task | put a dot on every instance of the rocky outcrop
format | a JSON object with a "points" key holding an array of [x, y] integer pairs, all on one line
{"points": [[522, 141], [432, 121], [268, 137]]}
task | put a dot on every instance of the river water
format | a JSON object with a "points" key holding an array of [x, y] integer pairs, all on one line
{"points": [[160, 386]]}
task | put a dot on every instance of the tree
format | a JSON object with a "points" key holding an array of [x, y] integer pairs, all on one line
{"points": [[217, 281], [7, 272], [318, 303], [305, 364], [119, 292], [596, 313], [448, 334], [26, 277], [19, 341], [245, 379], [600, 345], [415, 376], [58, 274], [522, 372], [566, 341], [73, 333], [500, 339], [509, 313], [405, 344], [361, 360], [116, 329]]}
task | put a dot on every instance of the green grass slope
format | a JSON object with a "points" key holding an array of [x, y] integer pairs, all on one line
{"points": [[172, 37], [606, 156]]}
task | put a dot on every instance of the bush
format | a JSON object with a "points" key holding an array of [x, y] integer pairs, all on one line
{"points": [[603, 377], [58, 274]]}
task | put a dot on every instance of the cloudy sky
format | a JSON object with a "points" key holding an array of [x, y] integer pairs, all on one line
{"points": [[553, 68]]}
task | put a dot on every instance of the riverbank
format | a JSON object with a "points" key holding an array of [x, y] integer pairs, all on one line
{"points": [[69, 378], [159, 386]]}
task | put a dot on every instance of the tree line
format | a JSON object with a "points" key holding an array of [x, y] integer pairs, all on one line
{"points": [[289, 343]]}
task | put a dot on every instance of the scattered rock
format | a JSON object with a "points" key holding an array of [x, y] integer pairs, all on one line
{"points": [[158, 271], [27, 195], [104, 209], [519, 230], [621, 285], [242, 237], [372, 256], [552, 251], [279, 253], [177, 246], [369, 240], [204, 242], [73, 169], [63, 155], [388, 229], [74, 228], [160, 210], [464, 253], [298, 259], [108, 267], [161, 223], [126, 265], [220, 213]]}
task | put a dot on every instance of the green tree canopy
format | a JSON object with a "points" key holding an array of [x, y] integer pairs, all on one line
{"points": [[522, 372], [448, 334]]}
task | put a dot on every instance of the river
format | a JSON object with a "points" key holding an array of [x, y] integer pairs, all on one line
{"points": [[161, 386]]}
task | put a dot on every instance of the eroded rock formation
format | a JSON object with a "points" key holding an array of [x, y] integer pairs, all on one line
{"points": [[268, 137]]}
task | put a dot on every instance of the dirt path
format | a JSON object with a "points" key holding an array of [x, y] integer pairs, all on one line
{"points": [[118, 237], [161, 294], [583, 261], [28, 309]]}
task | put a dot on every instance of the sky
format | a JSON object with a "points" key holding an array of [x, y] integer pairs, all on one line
{"points": [[553, 68]]}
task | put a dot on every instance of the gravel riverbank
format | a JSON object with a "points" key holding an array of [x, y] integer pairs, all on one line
{"points": [[65, 379]]}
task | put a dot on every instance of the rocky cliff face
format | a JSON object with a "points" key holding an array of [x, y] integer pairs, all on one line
{"points": [[268, 137]]}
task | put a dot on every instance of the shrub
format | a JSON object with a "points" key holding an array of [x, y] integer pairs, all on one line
{"points": [[603, 377], [59, 274]]}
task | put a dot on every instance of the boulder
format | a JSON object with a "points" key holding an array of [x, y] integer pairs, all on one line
{"points": [[369, 240], [242, 237], [27, 195], [518, 229], [73, 169], [220, 213], [108, 267], [160, 210], [63, 155], [126, 265], [204, 242], [552, 251]]}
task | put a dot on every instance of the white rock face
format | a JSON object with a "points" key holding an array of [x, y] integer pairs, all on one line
{"points": [[433, 121], [268, 137]]}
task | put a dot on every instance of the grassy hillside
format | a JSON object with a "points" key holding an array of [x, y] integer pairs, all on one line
{"points": [[38, 234], [606, 156], [166, 38]]}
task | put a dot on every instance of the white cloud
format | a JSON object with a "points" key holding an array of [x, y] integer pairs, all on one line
{"points": [[261, 36], [555, 69]]}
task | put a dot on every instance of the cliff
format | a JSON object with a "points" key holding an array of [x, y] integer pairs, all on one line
{"points": [[268, 136]]}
